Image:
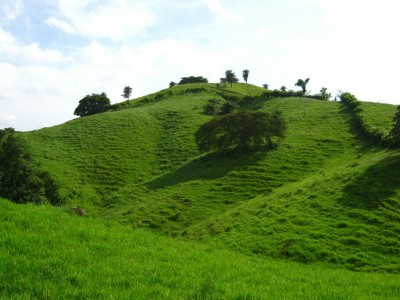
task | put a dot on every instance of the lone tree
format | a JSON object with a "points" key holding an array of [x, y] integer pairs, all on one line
{"points": [[172, 84], [265, 86], [127, 92], [92, 104], [303, 84], [245, 75], [241, 131], [193, 79], [231, 77]]}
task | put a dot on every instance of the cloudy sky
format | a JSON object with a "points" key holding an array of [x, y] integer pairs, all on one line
{"points": [[54, 52]]}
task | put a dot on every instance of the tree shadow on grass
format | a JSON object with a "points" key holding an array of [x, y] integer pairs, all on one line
{"points": [[210, 166], [375, 187]]}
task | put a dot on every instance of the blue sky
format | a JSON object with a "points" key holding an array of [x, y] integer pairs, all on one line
{"points": [[54, 52]]}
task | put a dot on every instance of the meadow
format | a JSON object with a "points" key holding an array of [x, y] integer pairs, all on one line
{"points": [[316, 217], [48, 253]]}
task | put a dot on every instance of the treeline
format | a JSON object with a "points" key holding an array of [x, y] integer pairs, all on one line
{"points": [[372, 133], [21, 179]]}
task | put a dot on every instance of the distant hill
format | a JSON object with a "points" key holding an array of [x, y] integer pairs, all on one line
{"points": [[324, 195]]}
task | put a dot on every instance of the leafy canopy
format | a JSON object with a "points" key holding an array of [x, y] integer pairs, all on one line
{"points": [[127, 92], [242, 130], [92, 104], [303, 84], [245, 74], [230, 77], [20, 179], [193, 79]]}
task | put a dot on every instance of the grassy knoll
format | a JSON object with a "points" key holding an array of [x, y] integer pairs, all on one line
{"points": [[47, 253], [323, 195]]}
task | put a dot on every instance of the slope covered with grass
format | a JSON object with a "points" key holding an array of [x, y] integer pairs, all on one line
{"points": [[323, 195], [47, 253]]}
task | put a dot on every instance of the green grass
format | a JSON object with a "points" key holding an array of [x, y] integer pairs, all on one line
{"points": [[48, 253], [379, 116], [325, 195]]}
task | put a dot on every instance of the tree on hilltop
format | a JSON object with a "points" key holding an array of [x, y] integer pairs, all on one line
{"points": [[303, 84], [127, 92], [193, 79], [245, 75], [92, 104], [231, 77]]}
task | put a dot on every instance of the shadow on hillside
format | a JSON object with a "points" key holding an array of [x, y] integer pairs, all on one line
{"points": [[211, 166], [375, 187]]}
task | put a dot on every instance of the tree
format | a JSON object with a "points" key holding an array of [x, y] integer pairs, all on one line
{"points": [[127, 92], [92, 104], [245, 75], [231, 77], [265, 86], [193, 79], [172, 84], [303, 84], [323, 94], [283, 88], [241, 131], [21, 180], [394, 134]]}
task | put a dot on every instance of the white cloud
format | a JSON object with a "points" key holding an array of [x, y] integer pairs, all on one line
{"points": [[263, 31], [63, 25], [216, 7], [10, 9], [116, 20]]}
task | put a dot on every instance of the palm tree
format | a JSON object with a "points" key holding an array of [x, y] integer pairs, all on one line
{"points": [[303, 84], [230, 77], [245, 74]]}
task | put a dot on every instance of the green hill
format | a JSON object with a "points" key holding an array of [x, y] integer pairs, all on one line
{"points": [[324, 195], [47, 253]]}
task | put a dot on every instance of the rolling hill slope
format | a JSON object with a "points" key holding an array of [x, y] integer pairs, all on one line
{"points": [[323, 195], [47, 253]]}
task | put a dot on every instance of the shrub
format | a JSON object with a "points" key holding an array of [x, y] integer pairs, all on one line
{"points": [[20, 179]]}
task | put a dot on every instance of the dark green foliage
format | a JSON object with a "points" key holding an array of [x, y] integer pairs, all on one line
{"points": [[245, 75], [127, 92], [193, 79], [265, 86], [20, 179], [214, 107], [227, 108], [92, 104], [230, 77], [303, 85], [394, 134], [243, 130], [369, 132], [172, 84]]}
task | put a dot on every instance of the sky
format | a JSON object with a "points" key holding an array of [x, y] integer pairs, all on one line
{"points": [[55, 52]]}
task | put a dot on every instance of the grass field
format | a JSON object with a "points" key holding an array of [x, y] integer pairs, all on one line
{"points": [[167, 222], [47, 253], [325, 195]]}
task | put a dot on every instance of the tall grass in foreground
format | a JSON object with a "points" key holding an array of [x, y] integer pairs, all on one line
{"points": [[46, 253]]}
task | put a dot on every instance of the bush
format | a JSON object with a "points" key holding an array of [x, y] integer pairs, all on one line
{"points": [[241, 131], [20, 179]]}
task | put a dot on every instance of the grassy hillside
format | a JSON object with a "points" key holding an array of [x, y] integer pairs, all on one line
{"points": [[323, 195], [47, 253]]}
